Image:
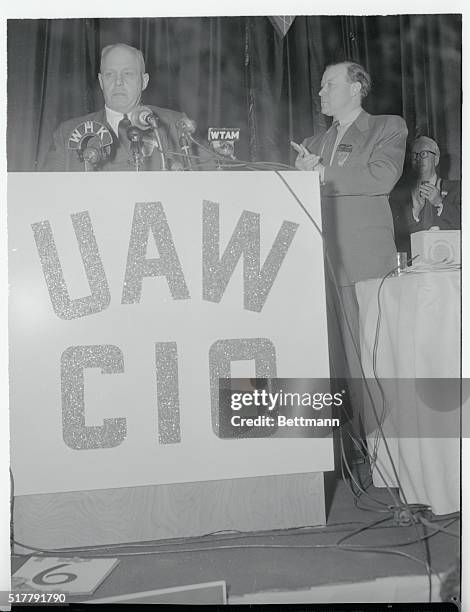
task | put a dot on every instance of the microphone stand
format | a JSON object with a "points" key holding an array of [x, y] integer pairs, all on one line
{"points": [[135, 138], [92, 154], [152, 120], [186, 148], [160, 147], [185, 128]]}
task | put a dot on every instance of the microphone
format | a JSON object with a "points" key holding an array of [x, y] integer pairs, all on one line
{"points": [[186, 127], [135, 136], [93, 152], [222, 141], [91, 141], [144, 117]]}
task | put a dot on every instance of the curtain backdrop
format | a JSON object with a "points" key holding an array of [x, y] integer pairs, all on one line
{"points": [[238, 72]]}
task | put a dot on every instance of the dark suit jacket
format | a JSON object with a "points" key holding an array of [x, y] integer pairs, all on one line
{"points": [[61, 159], [356, 217], [449, 219], [402, 206]]}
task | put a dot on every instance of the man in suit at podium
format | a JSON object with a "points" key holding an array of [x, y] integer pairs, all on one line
{"points": [[359, 159], [103, 136], [432, 201]]}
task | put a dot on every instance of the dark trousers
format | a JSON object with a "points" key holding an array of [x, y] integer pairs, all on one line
{"points": [[345, 359]]}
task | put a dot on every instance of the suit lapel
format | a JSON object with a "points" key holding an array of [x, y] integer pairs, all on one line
{"points": [[101, 117], [352, 139], [327, 144]]}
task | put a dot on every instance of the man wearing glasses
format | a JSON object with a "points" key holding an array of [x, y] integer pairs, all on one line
{"points": [[434, 201]]}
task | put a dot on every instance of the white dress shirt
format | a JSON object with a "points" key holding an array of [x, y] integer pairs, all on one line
{"points": [[343, 126], [113, 118]]}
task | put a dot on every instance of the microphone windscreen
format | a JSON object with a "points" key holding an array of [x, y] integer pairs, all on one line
{"points": [[142, 117], [93, 152], [187, 125]]}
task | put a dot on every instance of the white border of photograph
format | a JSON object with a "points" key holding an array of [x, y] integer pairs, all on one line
{"points": [[119, 8]]}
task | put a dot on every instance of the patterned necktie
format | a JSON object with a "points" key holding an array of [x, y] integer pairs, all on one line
{"points": [[124, 124]]}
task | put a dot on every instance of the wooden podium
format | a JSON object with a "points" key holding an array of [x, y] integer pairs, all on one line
{"points": [[131, 294]]}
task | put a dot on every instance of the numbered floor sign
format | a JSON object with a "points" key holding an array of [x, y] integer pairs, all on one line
{"points": [[73, 575]]}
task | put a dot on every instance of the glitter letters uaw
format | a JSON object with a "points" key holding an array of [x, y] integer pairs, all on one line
{"points": [[150, 217]]}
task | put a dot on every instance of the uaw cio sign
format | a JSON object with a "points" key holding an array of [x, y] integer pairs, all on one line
{"points": [[130, 296]]}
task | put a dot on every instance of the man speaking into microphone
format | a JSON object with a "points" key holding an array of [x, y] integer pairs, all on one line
{"points": [[155, 145]]}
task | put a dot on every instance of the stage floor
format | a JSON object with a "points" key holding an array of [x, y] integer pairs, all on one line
{"points": [[282, 566]]}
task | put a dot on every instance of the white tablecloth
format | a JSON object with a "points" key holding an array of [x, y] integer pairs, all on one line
{"points": [[419, 338]]}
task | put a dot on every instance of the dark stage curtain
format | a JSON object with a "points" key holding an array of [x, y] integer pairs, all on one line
{"points": [[237, 72], [415, 63]]}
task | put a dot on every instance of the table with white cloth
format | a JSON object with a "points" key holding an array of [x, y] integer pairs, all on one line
{"points": [[418, 337]]}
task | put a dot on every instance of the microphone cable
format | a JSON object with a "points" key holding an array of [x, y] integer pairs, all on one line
{"points": [[398, 504]]}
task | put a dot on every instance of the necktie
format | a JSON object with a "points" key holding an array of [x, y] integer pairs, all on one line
{"points": [[124, 124], [427, 214], [329, 143]]}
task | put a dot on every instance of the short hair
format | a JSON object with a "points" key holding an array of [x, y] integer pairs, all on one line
{"points": [[357, 74], [137, 52], [426, 141]]}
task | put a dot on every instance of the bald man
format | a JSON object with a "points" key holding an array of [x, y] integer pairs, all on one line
{"points": [[122, 79]]}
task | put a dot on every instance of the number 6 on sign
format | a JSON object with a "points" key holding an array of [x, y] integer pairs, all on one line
{"points": [[74, 576], [49, 577]]}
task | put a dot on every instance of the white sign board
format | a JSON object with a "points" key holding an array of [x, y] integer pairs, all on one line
{"points": [[72, 575], [130, 294]]}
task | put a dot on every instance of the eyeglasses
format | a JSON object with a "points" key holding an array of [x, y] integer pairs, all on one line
{"points": [[422, 154]]}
